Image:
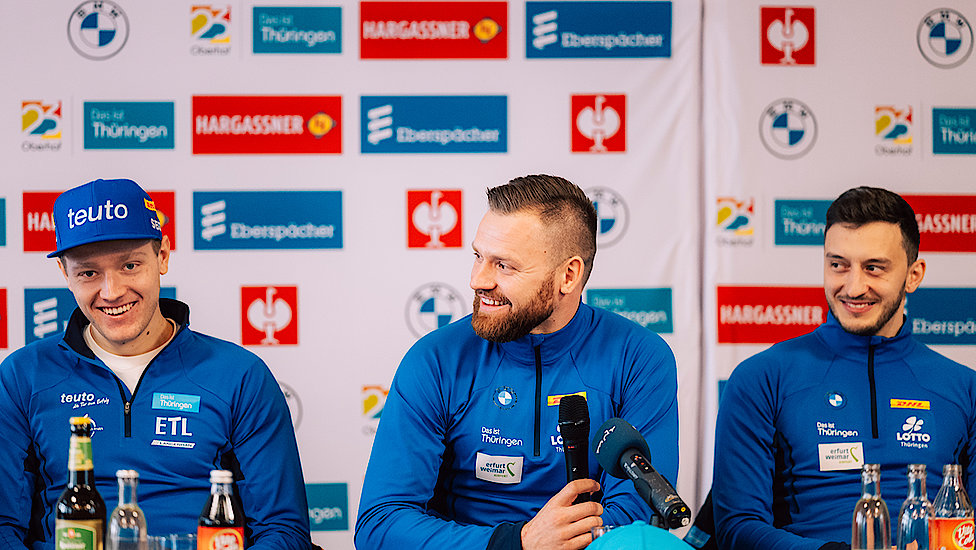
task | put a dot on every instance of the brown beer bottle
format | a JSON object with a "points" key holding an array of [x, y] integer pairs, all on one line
{"points": [[80, 520], [221, 524]]}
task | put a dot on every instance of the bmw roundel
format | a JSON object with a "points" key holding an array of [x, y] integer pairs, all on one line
{"points": [[505, 397], [835, 399]]}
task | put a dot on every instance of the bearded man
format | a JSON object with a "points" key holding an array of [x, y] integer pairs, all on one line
{"points": [[798, 421], [467, 454]]}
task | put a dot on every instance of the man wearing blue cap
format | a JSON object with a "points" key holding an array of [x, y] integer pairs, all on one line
{"points": [[165, 401]]}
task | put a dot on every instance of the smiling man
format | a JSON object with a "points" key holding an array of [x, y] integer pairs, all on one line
{"points": [[467, 454], [798, 421], [166, 401]]}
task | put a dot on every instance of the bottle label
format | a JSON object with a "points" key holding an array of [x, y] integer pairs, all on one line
{"points": [[78, 534], [951, 533], [220, 538], [80, 454]]}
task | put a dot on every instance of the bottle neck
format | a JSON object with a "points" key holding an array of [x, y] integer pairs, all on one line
{"points": [[220, 489], [871, 485], [127, 492], [916, 486], [80, 468]]}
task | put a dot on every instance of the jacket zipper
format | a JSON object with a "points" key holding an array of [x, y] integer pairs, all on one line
{"points": [[874, 393], [127, 403], [538, 399]]}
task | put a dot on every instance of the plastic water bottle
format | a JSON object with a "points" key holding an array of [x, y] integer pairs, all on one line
{"points": [[913, 518], [871, 528]]}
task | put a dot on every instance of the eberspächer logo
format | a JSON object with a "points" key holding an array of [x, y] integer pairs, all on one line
{"points": [[943, 316], [98, 29], [597, 29], [612, 215], [433, 306], [787, 128], [945, 38], [434, 124]]}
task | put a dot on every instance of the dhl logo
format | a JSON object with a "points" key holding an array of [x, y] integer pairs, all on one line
{"points": [[553, 400], [909, 404]]}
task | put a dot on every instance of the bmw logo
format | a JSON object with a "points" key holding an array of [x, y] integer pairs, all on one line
{"points": [[505, 397], [98, 29], [945, 38], [835, 400], [433, 306], [611, 214], [787, 128]]}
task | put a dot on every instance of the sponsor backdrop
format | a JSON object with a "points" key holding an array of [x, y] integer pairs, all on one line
{"points": [[322, 166]]}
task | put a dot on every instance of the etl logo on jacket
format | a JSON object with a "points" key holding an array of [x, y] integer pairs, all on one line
{"points": [[434, 124], [943, 315], [768, 314], [787, 35], [947, 222], [328, 506], [597, 29], [954, 131], [800, 222], [47, 310], [648, 307], [297, 30], [283, 125], [434, 218], [433, 30], [252, 220], [269, 315], [598, 123], [129, 125]]}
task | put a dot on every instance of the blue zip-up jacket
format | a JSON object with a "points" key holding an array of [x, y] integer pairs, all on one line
{"points": [[798, 421], [201, 404], [467, 448]]}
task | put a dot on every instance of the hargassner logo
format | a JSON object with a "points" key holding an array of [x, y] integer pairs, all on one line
{"points": [[433, 30], [250, 220], [768, 314], [434, 124], [954, 131], [947, 223], [47, 310], [800, 222], [41, 125], [129, 125], [38, 222], [648, 307], [98, 29], [597, 29], [943, 316], [328, 506], [210, 29], [297, 30]]}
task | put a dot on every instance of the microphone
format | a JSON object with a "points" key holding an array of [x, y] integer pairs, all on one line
{"points": [[574, 427], [622, 452]]}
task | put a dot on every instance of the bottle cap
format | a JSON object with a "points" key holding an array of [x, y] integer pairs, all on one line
{"points": [[79, 420], [221, 476], [127, 474]]}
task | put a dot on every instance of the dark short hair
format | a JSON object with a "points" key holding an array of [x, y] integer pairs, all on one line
{"points": [[863, 205], [560, 205]]}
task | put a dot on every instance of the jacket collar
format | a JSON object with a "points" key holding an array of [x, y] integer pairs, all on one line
{"points": [[551, 346], [841, 342], [74, 338]]}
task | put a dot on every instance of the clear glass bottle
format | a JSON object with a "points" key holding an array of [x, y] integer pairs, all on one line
{"points": [[222, 519], [913, 518], [871, 528], [951, 526], [127, 523]]}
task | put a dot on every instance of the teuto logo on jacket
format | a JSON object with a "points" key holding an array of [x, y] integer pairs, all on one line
{"points": [[433, 30], [598, 123], [768, 314], [947, 223], [224, 125], [434, 218], [787, 35], [597, 29], [269, 315]]}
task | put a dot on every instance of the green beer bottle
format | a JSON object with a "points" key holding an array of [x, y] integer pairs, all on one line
{"points": [[80, 520]]}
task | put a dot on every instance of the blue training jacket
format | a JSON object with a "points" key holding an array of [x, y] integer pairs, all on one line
{"points": [[798, 421], [467, 447], [201, 404]]}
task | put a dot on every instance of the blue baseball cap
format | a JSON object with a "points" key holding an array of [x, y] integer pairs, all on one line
{"points": [[104, 210], [639, 536]]}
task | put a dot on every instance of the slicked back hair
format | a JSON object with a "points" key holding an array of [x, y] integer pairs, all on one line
{"points": [[561, 206], [863, 205]]}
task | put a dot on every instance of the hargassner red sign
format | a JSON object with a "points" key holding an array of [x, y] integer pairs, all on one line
{"points": [[947, 223], [433, 30], [768, 314], [280, 125]]}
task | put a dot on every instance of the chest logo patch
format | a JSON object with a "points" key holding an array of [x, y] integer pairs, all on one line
{"points": [[841, 456], [835, 400], [505, 397], [499, 469], [910, 404]]}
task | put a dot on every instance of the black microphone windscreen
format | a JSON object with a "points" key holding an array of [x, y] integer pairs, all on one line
{"points": [[612, 439], [574, 417]]}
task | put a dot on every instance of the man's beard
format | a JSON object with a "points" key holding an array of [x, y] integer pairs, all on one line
{"points": [[517, 323], [889, 311]]}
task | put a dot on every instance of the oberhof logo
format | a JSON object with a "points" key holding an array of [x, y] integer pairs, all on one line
{"points": [[41, 124], [787, 128], [98, 29], [945, 38], [210, 29], [433, 306], [893, 129], [611, 214]]}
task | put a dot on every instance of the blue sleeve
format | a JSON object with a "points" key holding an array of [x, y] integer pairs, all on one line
{"points": [[742, 493], [15, 508], [273, 488], [649, 402], [403, 468]]}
